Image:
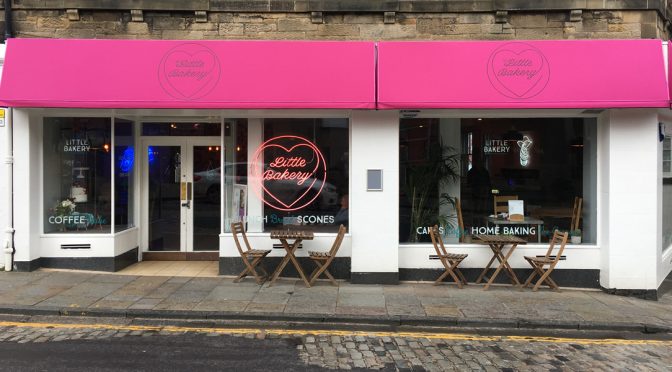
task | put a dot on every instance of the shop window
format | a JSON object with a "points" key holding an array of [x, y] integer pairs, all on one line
{"points": [[667, 192], [77, 175], [295, 174], [124, 174], [452, 166]]}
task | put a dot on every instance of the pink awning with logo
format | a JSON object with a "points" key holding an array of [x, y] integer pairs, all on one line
{"points": [[188, 74], [522, 74]]}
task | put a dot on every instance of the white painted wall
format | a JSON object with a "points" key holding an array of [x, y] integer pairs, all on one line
{"points": [[3, 185], [27, 186], [634, 191], [374, 215]]}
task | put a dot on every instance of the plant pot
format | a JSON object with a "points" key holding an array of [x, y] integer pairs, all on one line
{"points": [[576, 239]]}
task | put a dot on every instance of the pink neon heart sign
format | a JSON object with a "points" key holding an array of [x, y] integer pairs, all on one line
{"points": [[518, 70], [291, 172], [189, 71]]}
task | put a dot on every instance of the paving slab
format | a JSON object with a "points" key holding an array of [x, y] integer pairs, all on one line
{"points": [[165, 296]]}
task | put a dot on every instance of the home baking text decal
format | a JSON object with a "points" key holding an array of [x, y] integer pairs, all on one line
{"points": [[290, 170], [189, 71], [518, 70]]}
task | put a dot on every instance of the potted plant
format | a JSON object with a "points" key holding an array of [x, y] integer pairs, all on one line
{"points": [[575, 236], [422, 184]]}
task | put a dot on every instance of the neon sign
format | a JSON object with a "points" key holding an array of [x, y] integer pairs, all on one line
{"points": [[525, 150], [290, 170]]}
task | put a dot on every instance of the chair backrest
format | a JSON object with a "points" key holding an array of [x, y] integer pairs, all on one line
{"points": [[437, 241], [338, 241], [460, 221], [501, 203], [576, 213], [557, 244], [238, 228]]}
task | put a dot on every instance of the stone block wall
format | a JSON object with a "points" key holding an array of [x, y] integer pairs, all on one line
{"points": [[360, 25]]}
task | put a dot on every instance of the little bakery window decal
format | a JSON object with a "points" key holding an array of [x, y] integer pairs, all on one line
{"points": [[518, 70], [189, 71], [290, 170]]}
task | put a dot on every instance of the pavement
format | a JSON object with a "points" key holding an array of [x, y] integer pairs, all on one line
{"points": [[398, 307]]}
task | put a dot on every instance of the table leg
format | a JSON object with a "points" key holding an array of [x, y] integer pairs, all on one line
{"points": [[503, 264], [487, 267], [283, 263], [296, 262]]}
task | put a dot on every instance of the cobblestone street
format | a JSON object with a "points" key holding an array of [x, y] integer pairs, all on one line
{"points": [[311, 350]]}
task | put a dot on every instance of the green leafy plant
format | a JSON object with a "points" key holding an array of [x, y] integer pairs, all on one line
{"points": [[65, 207], [422, 184], [576, 232]]}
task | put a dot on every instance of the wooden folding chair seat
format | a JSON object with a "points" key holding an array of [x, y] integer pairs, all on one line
{"points": [[450, 261], [251, 257], [323, 259], [543, 266]]}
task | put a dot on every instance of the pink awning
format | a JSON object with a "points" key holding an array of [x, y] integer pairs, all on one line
{"points": [[188, 74], [522, 74]]}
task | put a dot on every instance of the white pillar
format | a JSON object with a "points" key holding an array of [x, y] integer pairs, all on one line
{"points": [[27, 188], [374, 215], [630, 250]]}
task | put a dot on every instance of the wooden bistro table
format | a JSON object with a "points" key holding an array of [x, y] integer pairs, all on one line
{"points": [[297, 236], [497, 244]]}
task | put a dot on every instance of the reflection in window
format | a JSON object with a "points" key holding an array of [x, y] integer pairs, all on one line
{"points": [[124, 174], [77, 175], [667, 192], [448, 166]]}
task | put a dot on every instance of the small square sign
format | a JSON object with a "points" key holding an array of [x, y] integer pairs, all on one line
{"points": [[2, 117], [374, 179]]}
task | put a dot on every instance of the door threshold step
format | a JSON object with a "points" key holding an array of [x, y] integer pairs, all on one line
{"points": [[180, 256]]}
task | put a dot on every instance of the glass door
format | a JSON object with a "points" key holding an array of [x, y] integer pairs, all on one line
{"points": [[182, 183], [205, 211]]}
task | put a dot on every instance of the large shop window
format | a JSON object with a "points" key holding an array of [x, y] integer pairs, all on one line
{"points": [[124, 174], [520, 176], [77, 175], [288, 173], [667, 192]]}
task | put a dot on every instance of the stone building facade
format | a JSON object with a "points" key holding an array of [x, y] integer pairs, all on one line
{"points": [[342, 19]]}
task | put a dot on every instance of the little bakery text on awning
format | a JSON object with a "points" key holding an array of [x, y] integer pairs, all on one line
{"points": [[522, 74], [188, 74]]}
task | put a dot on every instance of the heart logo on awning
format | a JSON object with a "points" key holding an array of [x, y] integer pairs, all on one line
{"points": [[291, 172], [518, 70], [189, 71]]}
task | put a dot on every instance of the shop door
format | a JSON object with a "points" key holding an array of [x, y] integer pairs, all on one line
{"points": [[182, 195]]}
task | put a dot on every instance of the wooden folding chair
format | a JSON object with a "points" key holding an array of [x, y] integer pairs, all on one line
{"points": [[551, 259], [576, 213], [450, 261], [251, 257], [501, 203], [323, 259]]}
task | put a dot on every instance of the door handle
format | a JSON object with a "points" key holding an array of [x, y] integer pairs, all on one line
{"points": [[187, 204]]}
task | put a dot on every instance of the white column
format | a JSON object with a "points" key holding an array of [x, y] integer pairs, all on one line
{"points": [[27, 187], [633, 238], [374, 215]]}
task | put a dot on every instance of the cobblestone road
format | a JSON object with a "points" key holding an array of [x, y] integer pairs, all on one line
{"points": [[378, 350]]}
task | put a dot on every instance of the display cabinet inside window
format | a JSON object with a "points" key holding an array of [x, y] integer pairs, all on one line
{"points": [[77, 175]]}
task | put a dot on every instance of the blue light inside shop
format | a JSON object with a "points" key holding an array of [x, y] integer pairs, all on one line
{"points": [[127, 159], [150, 154]]}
